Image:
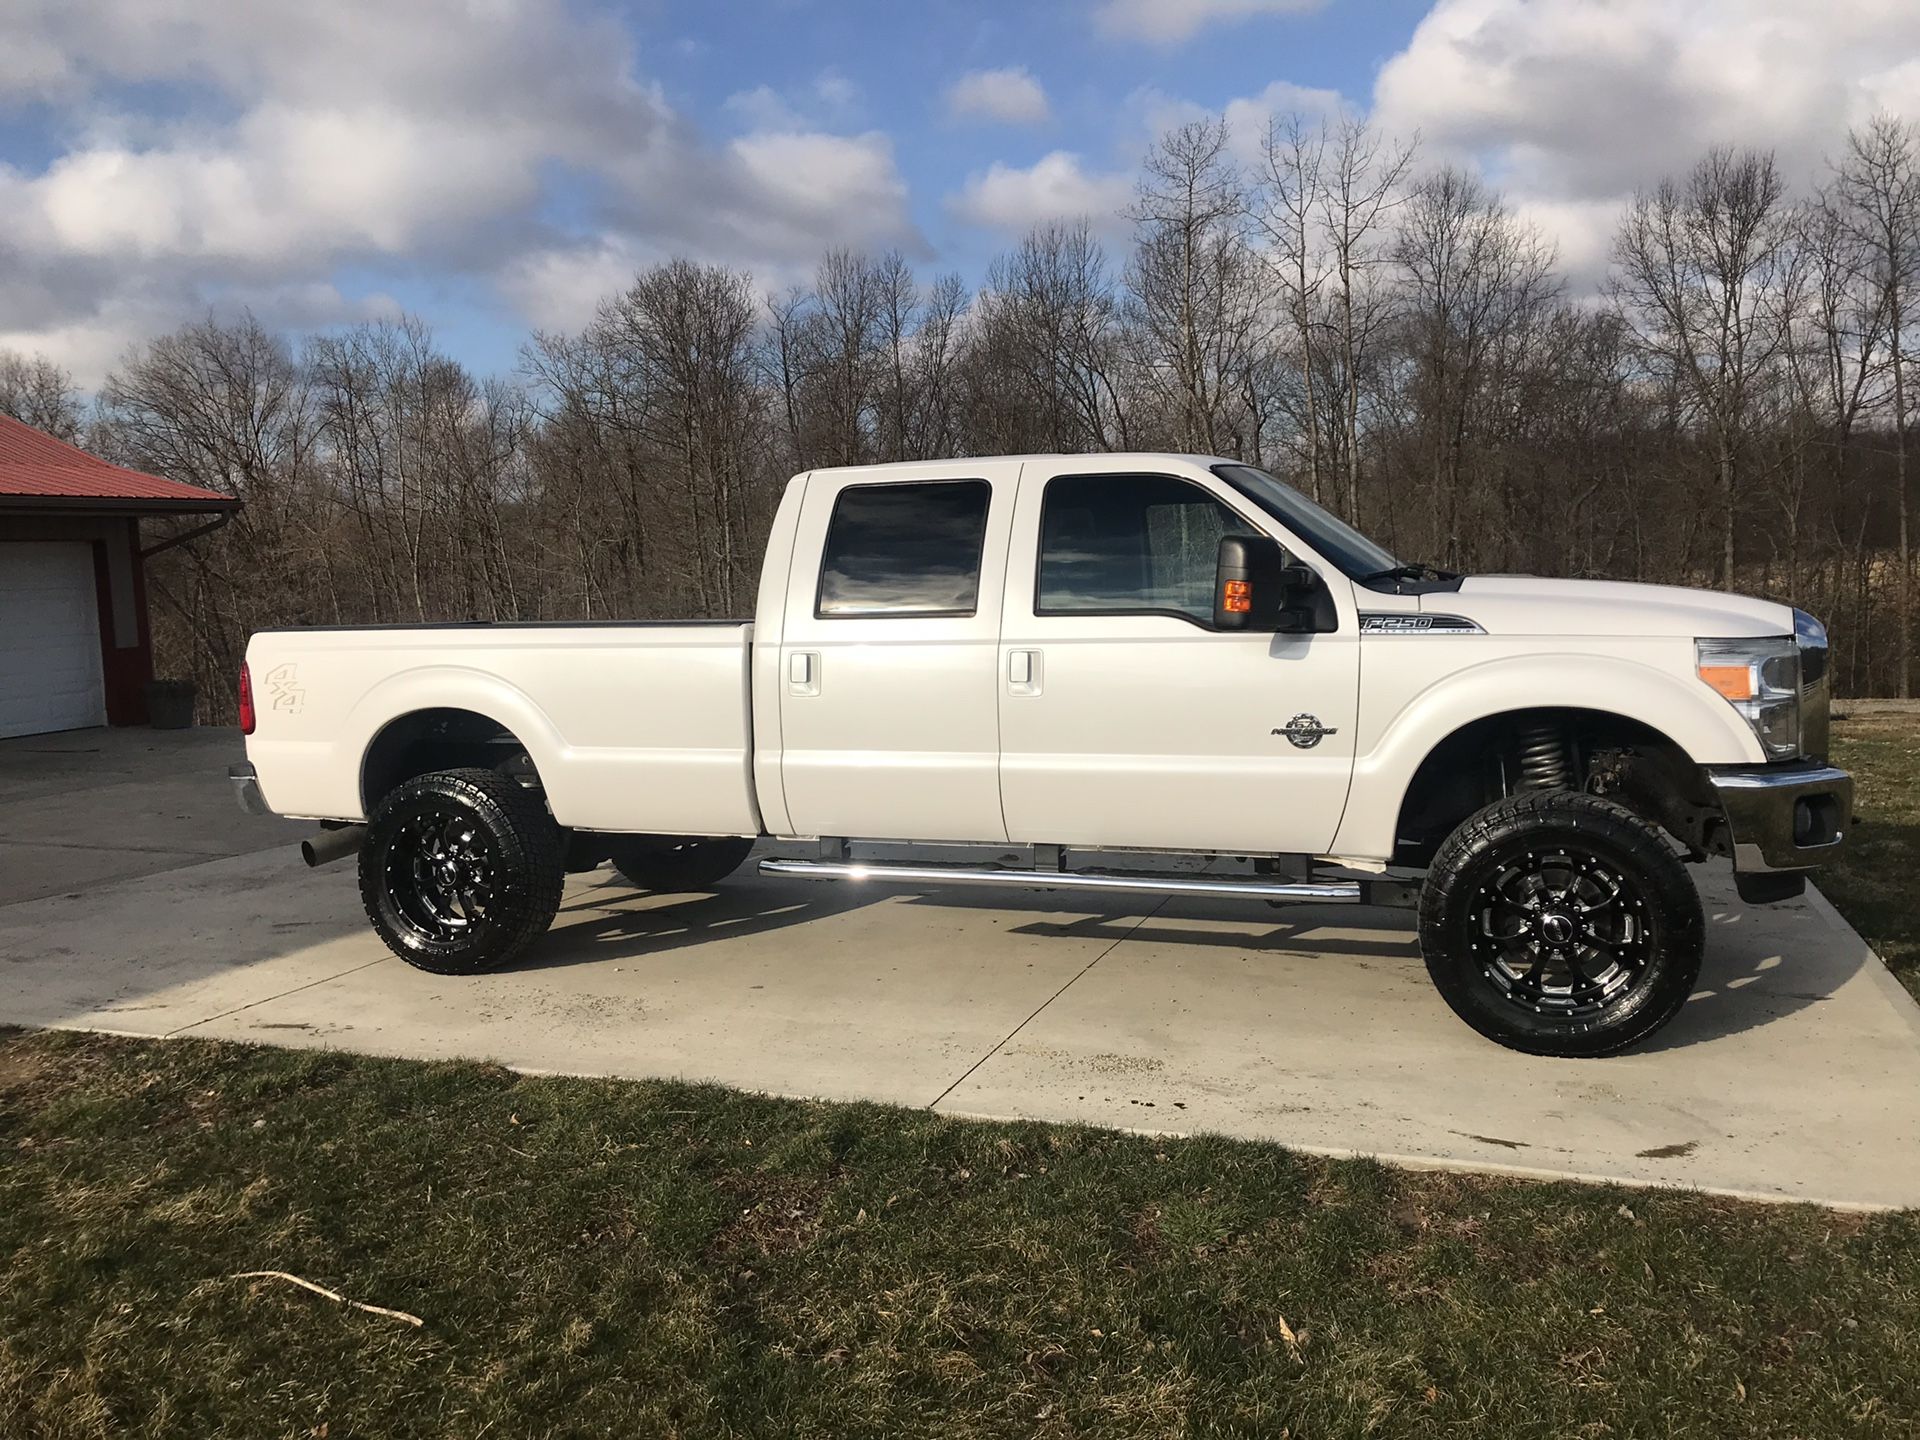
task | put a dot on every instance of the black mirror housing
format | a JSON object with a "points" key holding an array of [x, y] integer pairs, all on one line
{"points": [[1255, 589], [1248, 588]]}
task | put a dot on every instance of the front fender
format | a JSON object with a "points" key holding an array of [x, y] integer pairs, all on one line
{"points": [[1703, 725]]}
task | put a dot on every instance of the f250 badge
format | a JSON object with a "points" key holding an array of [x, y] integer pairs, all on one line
{"points": [[1306, 731], [283, 684]]}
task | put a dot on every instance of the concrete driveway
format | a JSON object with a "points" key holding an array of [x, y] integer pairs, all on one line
{"points": [[135, 898]]}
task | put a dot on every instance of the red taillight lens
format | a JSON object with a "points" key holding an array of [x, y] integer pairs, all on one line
{"points": [[246, 701]]}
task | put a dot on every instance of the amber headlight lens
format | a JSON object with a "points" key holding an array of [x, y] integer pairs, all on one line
{"points": [[1760, 679]]}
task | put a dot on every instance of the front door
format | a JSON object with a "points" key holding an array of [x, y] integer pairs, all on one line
{"points": [[1125, 718], [888, 703]]}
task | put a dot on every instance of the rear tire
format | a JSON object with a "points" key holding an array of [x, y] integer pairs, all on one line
{"points": [[461, 870], [660, 863], [1559, 923]]}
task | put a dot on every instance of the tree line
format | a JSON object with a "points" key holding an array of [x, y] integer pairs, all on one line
{"points": [[1731, 409]]}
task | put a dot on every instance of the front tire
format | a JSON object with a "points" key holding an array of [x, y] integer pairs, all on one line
{"points": [[1559, 923], [461, 870]]}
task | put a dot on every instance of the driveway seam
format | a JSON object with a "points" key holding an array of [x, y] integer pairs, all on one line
{"points": [[280, 995], [1001, 1043]]}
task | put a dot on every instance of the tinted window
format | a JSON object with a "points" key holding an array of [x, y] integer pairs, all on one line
{"points": [[1131, 543], [905, 549]]}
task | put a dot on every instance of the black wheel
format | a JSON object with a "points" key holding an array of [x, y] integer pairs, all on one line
{"points": [[1561, 924], [461, 870], [659, 862]]}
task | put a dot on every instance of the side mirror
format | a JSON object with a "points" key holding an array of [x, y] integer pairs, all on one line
{"points": [[1255, 589]]}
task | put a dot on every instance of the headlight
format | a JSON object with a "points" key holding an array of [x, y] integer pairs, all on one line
{"points": [[1760, 679]]}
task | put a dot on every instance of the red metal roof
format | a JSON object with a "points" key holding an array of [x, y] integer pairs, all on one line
{"points": [[39, 471]]}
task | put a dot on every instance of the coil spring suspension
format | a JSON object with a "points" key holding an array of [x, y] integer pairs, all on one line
{"points": [[1545, 762]]}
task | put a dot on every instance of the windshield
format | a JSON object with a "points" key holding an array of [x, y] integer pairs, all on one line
{"points": [[1356, 555]]}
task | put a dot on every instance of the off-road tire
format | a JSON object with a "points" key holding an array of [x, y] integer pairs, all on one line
{"points": [[523, 864], [675, 868], [1464, 916]]}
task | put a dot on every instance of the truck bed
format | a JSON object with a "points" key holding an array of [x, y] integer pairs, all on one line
{"points": [[632, 726]]}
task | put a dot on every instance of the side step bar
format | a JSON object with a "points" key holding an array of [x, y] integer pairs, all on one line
{"points": [[1213, 886]]}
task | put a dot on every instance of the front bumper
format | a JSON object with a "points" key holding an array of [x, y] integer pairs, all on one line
{"points": [[246, 789], [1784, 818]]}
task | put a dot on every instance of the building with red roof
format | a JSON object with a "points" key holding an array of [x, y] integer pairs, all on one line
{"points": [[75, 646]]}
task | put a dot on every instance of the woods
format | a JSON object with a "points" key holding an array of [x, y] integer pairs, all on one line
{"points": [[1729, 407]]}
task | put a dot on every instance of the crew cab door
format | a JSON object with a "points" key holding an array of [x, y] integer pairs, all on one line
{"points": [[1126, 719], [888, 664]]}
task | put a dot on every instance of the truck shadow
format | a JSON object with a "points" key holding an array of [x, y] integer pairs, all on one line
{"points": [[1760, 966]]}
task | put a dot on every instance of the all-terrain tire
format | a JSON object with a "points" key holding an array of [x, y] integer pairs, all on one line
{"points": [[461, 870], [1560, 923], [677, 867]]}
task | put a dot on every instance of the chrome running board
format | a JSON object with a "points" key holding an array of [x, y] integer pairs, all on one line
{"points": [[1212, 886]]}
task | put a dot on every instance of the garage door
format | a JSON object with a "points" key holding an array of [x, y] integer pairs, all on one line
{"points": [[49, 638]]}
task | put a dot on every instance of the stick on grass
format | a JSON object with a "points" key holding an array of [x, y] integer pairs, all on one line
{"points": [[329, 1294]]}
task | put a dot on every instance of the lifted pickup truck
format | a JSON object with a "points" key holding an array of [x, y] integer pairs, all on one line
{"points": [[1098, 658]]}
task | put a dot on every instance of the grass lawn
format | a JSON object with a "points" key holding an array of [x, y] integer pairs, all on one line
{"points": [[595, 1258], [1875, 886]]}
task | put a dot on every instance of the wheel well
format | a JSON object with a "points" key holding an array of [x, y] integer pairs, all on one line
{"points": [[441, 739], [1605, 754]]}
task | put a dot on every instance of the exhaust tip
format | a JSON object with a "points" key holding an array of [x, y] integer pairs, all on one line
{"points": [[335, 843]]}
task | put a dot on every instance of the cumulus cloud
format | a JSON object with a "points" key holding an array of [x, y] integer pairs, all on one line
{"points": [[1055, 187], [1012, 97], [511, 141], [1168, 22], [1573, 104]]}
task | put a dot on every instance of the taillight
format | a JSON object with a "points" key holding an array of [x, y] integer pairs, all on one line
{"points": [[246, 700]]}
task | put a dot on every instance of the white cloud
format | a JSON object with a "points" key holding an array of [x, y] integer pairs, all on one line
{"points": [[439, 135], [1055, 187], [1168, 22], [1012, 97], [1573, 104]]}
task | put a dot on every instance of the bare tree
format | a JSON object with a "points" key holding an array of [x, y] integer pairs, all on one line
{"points": [[37, 392], [1194, 284], [1477, 281], [1704, 273], [1361, 183], [1294, 154], [1879, 186]]}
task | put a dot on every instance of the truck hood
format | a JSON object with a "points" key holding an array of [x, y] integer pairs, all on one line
{"points": [[1532, 605]]}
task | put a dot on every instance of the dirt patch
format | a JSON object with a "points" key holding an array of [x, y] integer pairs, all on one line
{"points": [[773, 1214]]}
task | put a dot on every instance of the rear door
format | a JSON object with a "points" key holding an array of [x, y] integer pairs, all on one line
{"points": [[889, 699], [1126, 719]]}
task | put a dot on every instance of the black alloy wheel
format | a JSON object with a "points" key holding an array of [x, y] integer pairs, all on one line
{"points": [[1561, 923], [461, 870]]}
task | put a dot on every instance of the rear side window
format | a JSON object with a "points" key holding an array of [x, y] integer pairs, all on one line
{"points": [[905, 549], [1130, 544]]}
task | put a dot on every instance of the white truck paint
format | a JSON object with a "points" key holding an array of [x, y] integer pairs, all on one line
{"points": [[1103, 720]]}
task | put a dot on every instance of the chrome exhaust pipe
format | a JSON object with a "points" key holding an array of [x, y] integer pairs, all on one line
{"points": [[334, 843]]}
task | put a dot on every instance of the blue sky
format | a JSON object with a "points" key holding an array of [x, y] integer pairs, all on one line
{"points": [[493, 165]]}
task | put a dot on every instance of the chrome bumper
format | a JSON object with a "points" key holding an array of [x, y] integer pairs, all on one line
{"points": [[1784, 817], [246, 789]]}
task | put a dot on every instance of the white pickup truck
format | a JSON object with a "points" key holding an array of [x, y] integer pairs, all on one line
{"points": [[1105, 659]]}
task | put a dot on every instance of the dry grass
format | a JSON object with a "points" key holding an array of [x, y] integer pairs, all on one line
{"points": [[598, 1258]]}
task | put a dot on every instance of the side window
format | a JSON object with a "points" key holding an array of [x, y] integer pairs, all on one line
{"points": [[1130, 544], [904, 550]]}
